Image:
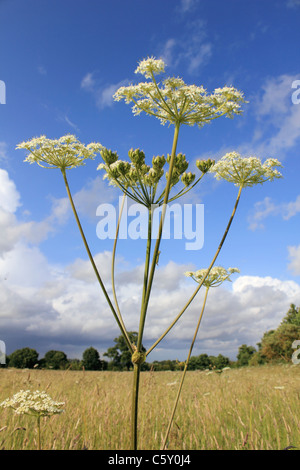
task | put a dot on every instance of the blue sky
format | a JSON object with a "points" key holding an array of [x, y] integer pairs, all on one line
{"points": [[61, 62]]}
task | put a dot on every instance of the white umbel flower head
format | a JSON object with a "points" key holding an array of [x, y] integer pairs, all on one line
{"points": [[64, 153], [35, 403], [245, 171], [216, 276], [174, 102], [150, 66]]}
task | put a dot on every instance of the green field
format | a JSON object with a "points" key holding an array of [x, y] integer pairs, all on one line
{"points": [[246, 408]]}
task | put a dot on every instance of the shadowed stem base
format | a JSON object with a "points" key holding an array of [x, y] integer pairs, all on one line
{"points": [[134, 407]]}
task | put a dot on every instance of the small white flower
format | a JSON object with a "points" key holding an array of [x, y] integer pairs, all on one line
{"points": [[33, 403], [216, 276], [151, 65]]}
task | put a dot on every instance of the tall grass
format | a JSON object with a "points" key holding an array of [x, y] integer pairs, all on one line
{"points": [[249, 408]]}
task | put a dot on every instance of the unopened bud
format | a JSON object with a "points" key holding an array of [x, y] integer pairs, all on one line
{"points": [[187, 178], [108, 156], [205, 165], [158, 162], [137, 157]]}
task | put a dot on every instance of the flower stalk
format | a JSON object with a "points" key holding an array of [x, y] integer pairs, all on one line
{"points": [[215, 278], [204, 277], [119, 322], [184, 371], [124, 331], [37, 404]]}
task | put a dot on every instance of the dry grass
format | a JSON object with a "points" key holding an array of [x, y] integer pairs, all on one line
{"points": [[249, 408]]}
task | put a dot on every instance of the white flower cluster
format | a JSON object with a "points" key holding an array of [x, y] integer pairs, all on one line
{"points": [[243, 171], [64, 153], [175, 102], [150, 66], [33, 403], [138, 180], [216, 276]]}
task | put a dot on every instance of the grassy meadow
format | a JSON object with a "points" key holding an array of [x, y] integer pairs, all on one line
{"points": [[250, 408]]}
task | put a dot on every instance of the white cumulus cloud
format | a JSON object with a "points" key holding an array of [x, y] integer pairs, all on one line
{"points": [[294, 256], [9, 196]]}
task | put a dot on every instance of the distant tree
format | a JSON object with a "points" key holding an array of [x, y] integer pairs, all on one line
{"points": [[219, 362], [55, 360], [256, 359], [277, 344], [119, 354], [166, 364], [23, 358], [244, 354], [75, 364], [91, 359], [199, 362], [293, 316]]}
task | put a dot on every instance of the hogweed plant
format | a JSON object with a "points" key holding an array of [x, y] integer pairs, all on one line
{"points": [[37, 404], [174, 103]]}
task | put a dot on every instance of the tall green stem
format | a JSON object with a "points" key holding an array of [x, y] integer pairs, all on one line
{"points": [[157, 244], [134, 405], [148, 252], [93, 262], [137, 367], [148, 279], [185, 369], [39, 432]]}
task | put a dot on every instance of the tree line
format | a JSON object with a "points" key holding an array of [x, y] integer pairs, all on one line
{"points": [[275, 345]]}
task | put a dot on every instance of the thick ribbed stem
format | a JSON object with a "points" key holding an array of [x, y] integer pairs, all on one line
{"points": [[134, 406]]}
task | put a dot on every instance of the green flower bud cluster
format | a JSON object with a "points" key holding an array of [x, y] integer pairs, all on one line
{"points": [[188, 178], [108, 156], [180, 165], [123, 173], [205, 165], [140, 181], [157, 170], [158, 162], [137, 158]]}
